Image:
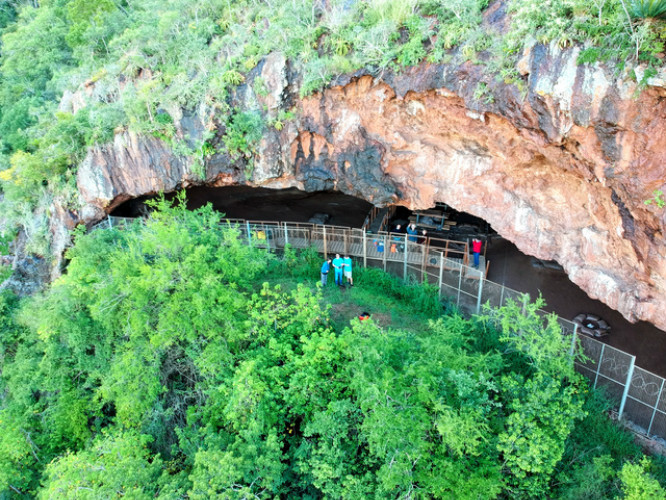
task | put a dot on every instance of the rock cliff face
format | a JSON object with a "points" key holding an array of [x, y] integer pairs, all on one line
{"points": [[562, 170]]}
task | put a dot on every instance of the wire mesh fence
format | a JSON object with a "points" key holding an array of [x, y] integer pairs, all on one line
{"points": [[638, 395]]}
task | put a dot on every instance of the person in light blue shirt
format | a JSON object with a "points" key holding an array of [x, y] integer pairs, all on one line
{"points": [[337, 265], [347, 266], [325, 268]]}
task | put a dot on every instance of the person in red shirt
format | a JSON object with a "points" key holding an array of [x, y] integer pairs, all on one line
{"points": [[476, 250]]}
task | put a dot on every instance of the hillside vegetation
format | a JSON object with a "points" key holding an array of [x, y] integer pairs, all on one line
{"points": [[137, 64], [173, 361]]}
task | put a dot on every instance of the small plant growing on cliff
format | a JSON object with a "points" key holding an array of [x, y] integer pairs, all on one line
{"points": [[244, 132], [232, 77], [260, 87], [282, 117], [646, 9], [657, 199], [482, 93]]}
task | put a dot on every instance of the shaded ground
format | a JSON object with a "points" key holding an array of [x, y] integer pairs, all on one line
{"points": [[510, 267]]}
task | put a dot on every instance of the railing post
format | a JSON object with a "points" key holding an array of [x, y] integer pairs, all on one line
{"points": [[108, 219], [573, 337], [478, 299], [325, 245], [630, 375], [404, 269], [386, 250], [286, 234], [425, 248], [249, 234], [601, 359], [502, 299], [654, 412], [441, 273], [460, 271], [365, 249]]}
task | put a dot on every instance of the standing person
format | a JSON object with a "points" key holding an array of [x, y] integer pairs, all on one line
{"points": [[325, 268], [476, 250], [411, 231], [347, 263], [337, 265]]}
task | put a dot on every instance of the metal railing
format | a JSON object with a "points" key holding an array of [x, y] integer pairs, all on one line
{"points": [[638, 395]]}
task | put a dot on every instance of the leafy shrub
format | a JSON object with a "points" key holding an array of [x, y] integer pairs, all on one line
{"points": [[638, 484]]}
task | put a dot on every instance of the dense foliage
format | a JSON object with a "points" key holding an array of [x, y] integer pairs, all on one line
{"points": [[172, 360], [141, 64]]}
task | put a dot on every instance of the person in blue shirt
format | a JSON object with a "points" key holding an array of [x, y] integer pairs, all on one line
{"points": [[325, 268], [411, 230], [337, 265], [347, 266]]}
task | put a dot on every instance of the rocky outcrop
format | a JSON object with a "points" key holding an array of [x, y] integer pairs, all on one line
{"points": [[561, 168]]}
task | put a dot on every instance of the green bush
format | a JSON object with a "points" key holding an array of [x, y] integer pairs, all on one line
{"points": [[648, 9]]}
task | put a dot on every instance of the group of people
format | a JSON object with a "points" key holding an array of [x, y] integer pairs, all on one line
{"points": [[412, 231], [341, 266]]}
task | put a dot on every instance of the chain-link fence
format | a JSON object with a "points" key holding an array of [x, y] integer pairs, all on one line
{"points": [[638, 395]]}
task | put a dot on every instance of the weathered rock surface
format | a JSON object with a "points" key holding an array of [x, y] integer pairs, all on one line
{"points": [[562, 170]]}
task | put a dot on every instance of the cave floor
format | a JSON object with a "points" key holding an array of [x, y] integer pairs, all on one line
{"points": [[512, 268]]}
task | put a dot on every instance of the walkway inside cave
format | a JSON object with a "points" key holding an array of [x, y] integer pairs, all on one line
{"points": [[507, 265]]}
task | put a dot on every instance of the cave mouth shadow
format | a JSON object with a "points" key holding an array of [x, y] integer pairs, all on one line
{"points": [[263, 204]]}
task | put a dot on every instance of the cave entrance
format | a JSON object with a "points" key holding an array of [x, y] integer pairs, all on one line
{"points": [[262, 204], [441, 227], [524, 273]]}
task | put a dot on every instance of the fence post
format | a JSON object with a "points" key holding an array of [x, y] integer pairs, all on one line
{"points": [[573, 338], [325, 245], [386, 250], [478, 299], [108, 219], [286, 234], [654, 412], [425, 248], [441, 273], [601, 359], [502, 297], [365, 249], [404, 269], [630, 375], [249, 234], [459, 284]]}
